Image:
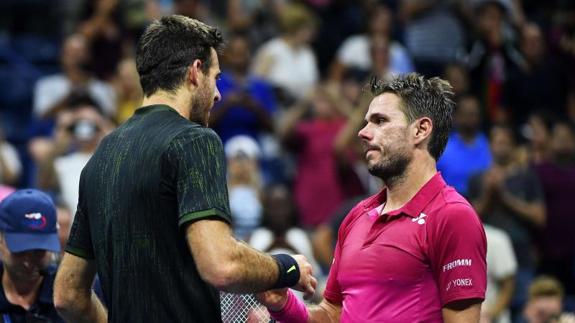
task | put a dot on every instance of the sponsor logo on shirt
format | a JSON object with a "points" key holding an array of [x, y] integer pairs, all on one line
{"points": [[457, 263], [460, 282], [420, 219]]}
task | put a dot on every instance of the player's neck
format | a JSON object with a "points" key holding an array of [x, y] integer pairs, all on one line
{"points": [[418, 173], [177, 101]]}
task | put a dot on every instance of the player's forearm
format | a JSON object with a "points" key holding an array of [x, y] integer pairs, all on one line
{"points": [[323, 313], [82, 309], [248, 271]]}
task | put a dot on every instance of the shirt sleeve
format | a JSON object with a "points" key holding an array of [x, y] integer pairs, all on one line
{"points": [[333, 292], [457, 250], [80, 239], [200, 171]]}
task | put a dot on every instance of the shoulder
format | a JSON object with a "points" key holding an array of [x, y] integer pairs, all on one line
{"points": [[454, 209], [355, 213], [193, 132]]}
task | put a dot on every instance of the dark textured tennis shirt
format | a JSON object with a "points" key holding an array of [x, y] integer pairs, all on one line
{"points": [[148, 179]]}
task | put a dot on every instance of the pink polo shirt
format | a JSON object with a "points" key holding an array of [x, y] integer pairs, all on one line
{"points": [[404, 266]]}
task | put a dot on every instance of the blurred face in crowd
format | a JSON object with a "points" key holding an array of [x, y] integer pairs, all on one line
{"points": [[543, 309], [532, 43], [279, 208], [490, 22], [322, 105], [23, 266], [380, 21], [237, 55], [468, 116], [502, 145], [385, 138], [74, 52], [380, 55], [88, 127], [457, 76], [207, 93], [563, 143], [539, 134], [305, 34]]}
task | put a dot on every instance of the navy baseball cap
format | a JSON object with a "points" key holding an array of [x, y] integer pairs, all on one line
{"points": [[28, 221]]}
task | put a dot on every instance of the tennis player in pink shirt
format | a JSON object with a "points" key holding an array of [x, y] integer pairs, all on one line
{"points": [[415, 252]]}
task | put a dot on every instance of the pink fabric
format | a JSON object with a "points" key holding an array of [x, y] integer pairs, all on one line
{"points": [[317, 188], [293, 312], [5, 191], [404, 266]]}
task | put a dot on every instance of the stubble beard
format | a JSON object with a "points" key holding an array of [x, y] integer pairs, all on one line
{"points": [[391, 170], [200, 107]]}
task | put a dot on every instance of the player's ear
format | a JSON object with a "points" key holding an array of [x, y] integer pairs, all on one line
{"points": [[195, 72], [422, 128]]}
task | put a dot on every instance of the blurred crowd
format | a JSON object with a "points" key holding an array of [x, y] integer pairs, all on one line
{"points": [[293, 102]]}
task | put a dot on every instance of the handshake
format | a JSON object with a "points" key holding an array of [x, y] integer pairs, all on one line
{"points": [[275, 300]]}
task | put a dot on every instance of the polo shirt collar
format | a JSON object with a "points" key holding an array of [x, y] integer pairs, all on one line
{"points": [[414, 206]]}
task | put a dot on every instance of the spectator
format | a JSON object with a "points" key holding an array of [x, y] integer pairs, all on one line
{"points": [[101, 25], [244, 184], [427, 24], [538, 83], [312, 141], [248, 104], [458, 77], [128, 88], [537, 131], [256, 19], [79, 132], [280, 232], [52, 92], [28, 235], [545, 303], [558, 178], [467, 152], [356, 51], [88, 127], [509, 196], [501, 269], [288, 61], [491, 56]]}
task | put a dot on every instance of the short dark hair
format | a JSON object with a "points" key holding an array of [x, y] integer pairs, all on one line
{"points": [[421, 97], [169, 46]]}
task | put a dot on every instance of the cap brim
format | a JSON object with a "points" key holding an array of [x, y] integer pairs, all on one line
{"points": [[19, 242]]}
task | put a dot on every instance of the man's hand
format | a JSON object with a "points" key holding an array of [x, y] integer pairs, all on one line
{"points": [[307, 282], [274, 300]]}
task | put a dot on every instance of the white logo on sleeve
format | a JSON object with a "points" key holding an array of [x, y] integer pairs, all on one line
{"points": [[420, 219], [460, 282], [457, 263]]}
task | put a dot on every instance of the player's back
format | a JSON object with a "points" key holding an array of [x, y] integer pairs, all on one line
{"points": [[129, 192]]}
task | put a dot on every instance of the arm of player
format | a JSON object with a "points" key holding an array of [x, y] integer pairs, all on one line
{"points": [[276, 301], [465, 311], [73, 296], [232, 266]]}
